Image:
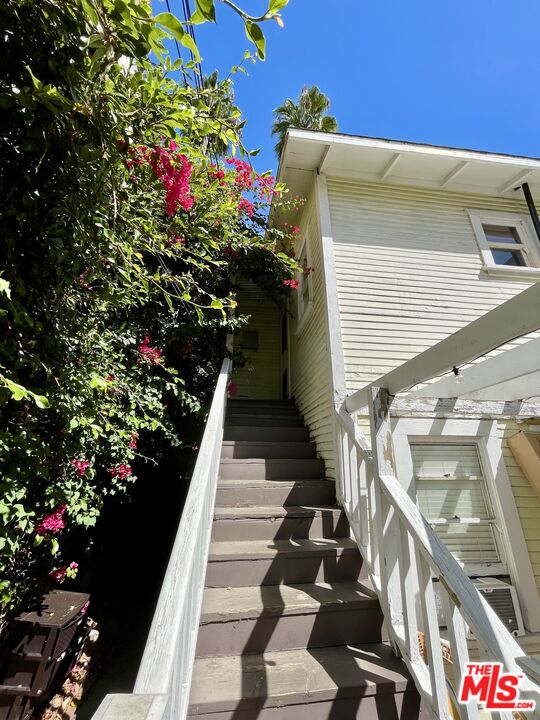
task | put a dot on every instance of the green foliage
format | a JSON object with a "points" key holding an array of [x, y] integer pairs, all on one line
{"points": [[114, 300], [309, 111]]}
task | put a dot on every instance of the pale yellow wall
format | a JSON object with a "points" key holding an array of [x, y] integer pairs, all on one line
{"points": [[527, 501], [409, 271], [260, 378], [309, 353]]}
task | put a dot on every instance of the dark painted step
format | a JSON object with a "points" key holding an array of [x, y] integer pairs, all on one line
{"points": [[262, 409], [243, 493], [242, 449], [271, 469], [358, 682], [278, 523], [264, 420], [287, 617], [276, 433], [241, 564]]}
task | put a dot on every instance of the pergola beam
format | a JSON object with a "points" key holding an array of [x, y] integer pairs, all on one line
{"points": [[515, 317], [515, 363]]}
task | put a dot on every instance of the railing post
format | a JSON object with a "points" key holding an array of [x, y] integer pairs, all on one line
{"points": [[383, 514]]}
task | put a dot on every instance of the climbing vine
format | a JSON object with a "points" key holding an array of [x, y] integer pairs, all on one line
{"points": [[120, 248]]}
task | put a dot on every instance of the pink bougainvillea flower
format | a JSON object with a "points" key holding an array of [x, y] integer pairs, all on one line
{"points": [[53, 523], [216, 173], [246, 207], [293, 284], [265, 186], [232, 389], [244, 176], [148, 353], [133, 441], [231, 252], [187, 349], [59, 574], [176, 240], [81, 466], [296, 230], [308, 270], [122, 471]]}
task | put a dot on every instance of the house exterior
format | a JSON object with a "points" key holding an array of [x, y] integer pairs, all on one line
{"points": [[406, 371], [410, 243]]}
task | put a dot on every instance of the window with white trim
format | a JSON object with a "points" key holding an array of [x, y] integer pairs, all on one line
{"points": [[305, 287], [451, 492], [506, 240]]}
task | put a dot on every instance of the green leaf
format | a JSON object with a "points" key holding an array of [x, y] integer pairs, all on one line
{"points": [[275, 6], [254, 33], [41, 401], [217, 304], [206, 9], [35, 82], [55, 546], [169, 21], [4, 288], [189, 42]]}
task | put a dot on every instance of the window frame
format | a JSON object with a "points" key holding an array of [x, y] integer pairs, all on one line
{"points": [[521, 223], [304, 309], [512, 540]]}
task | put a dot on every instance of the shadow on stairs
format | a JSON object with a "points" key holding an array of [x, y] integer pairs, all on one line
{"points": [[290, 626]]}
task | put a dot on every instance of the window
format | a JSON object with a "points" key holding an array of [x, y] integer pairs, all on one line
{"points": [[451, 492], [506, 241], [305, 289], [454, 468]]}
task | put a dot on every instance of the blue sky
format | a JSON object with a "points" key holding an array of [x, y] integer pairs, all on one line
{"points": [[451, 72]]}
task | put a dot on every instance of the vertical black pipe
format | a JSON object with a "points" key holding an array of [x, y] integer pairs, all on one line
{"points": [[532, 208]]}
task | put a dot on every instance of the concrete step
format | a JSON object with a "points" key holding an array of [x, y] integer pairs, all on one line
{"points": [[242, 493], [264, 419], [259, 562], [271, 469], [287, 617], [356, 682], [278, 523], [244, 431], [244, 449]]}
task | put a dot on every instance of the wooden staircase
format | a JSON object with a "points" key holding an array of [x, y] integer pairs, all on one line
{"points": [[290, 626]]}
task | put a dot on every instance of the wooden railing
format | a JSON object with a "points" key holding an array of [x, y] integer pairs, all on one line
{"points": [[405, 560], [163, 682]]}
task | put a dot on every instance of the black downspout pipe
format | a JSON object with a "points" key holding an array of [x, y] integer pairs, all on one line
{"points": [[532, 208]]}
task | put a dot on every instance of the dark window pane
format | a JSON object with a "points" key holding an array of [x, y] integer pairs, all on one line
{"points": [[508, 257], [501, 234]]}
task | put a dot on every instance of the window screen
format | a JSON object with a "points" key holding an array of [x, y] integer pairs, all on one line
{"points": [[451, 492]]}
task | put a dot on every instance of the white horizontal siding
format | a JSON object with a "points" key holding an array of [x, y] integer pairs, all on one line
{"points": [[409, 271], [309, 353]]}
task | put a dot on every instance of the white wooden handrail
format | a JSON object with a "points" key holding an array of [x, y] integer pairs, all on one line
{"points": [[405, 560], [163, 682]]}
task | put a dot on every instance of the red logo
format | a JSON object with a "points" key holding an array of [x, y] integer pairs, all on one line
{"points": [[492, 688]]}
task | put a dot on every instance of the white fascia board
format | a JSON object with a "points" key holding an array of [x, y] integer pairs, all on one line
{"points": [[410, 148]]}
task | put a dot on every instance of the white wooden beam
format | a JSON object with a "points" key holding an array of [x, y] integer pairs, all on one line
{"points": [[526, 386], [513, 184], [324, 159], [412, 407], [453, 174], [515, 317], [390, 166], [509, 365]]}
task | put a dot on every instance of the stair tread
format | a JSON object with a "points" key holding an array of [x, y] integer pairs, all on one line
{"points": [[268, 548], [295, 677], [226, 604], [265, 511], [263, 482], [267, 443]]}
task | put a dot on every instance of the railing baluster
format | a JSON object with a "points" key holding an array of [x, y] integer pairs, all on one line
{"points": [[457, 637], [430, 627], [409, 593]]}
